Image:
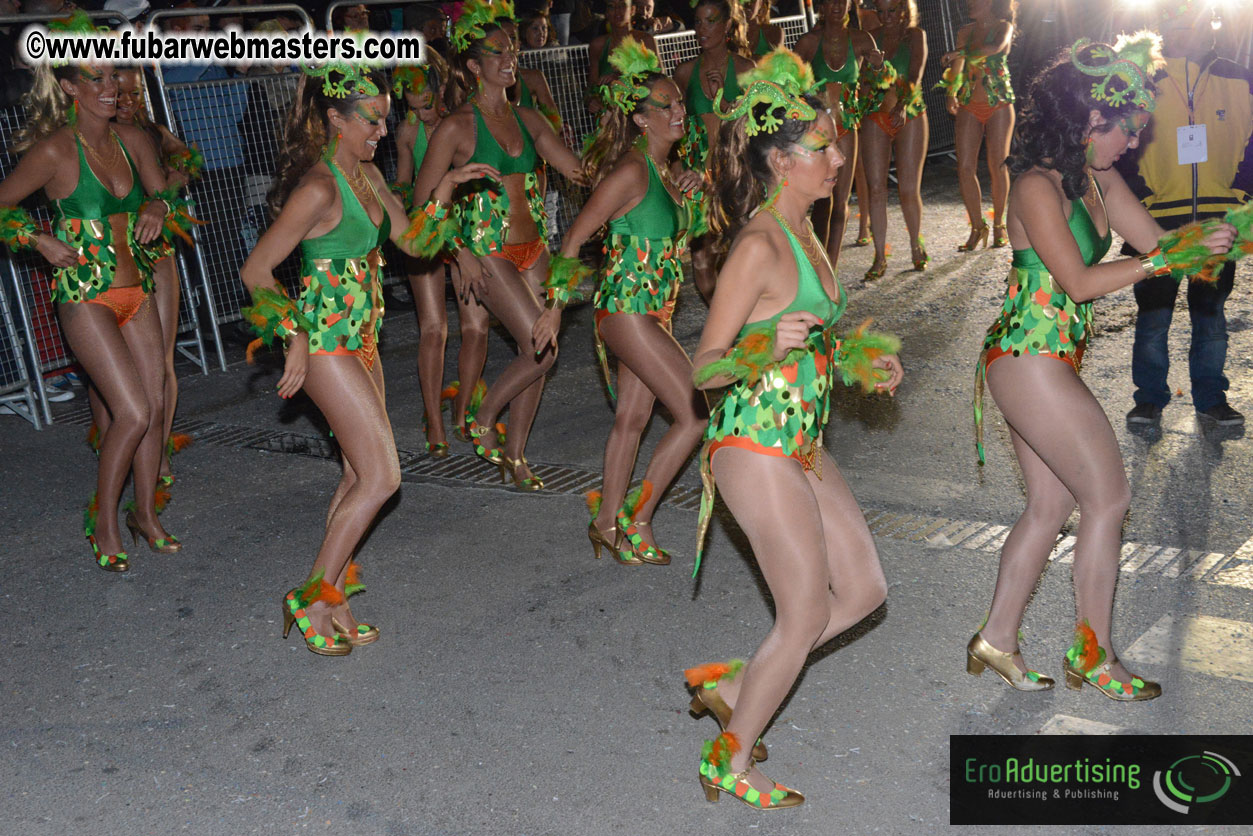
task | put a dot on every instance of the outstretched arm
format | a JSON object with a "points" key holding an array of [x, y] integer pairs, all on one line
{"points": [[33, 172]]}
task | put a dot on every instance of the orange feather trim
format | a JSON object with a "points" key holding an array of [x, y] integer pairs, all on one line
{"points": [[327, 594], [181, 441], [701, 674], [723, 749], [593, 499], [353, 576], [450, 392], [1090, 654]]}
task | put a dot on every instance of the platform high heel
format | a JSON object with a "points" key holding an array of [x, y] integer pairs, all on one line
{"points": [[999, 237], [876, 271], [1086, 662], [599, 538], [706, 699], [919, 254], [511, 466], [716, 777], [364, 633]]}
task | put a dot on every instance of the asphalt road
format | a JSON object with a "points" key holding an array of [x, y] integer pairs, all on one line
{"points": [[521, 687]]}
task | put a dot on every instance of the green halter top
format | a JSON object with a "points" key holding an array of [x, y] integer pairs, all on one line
{"points": [[525, 97], [846, 74], [420, 142], [900, 58], [656, 216], [487, 149], [811, 296], [697, 102], [342, 272], [763, 45], [1038, 316], [82, 223]]}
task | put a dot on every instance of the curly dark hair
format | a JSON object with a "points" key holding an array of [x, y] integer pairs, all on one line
{"points": [[741, 170], [1053, 126]]}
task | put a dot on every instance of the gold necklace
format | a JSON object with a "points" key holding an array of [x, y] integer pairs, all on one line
{"points": [[358, 182], [809, 247], [114, 148]]}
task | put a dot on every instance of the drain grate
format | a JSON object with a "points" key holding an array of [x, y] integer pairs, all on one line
{"points": [[933, 532]]}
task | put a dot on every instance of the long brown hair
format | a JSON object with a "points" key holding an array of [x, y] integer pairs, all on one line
{"points": [[305, 134], [737, 26], [461, 80], [615, 135]]}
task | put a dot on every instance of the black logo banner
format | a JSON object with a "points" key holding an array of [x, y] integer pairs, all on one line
{"points": [[1101, 779]]}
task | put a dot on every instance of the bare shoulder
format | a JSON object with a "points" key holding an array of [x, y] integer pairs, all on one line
{"points": [[685, 69], [54, 149], [318, 185], [631, 166], [862, 42], [758, 250], [134, 138], [1036, 189], [742, 64], [457, 125]]}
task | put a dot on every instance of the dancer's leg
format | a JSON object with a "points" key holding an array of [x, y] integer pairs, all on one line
{"points": [[968, 136], [876, 155], [839, 196], [911, 154], [473, 323], [1000, 131], [428, 298], [168, 291]]}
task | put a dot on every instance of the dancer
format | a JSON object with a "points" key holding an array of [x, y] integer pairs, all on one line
{"points": [[980, 98], [422, 88], [1083, 112], [836, 53], [720, 34], [618, 16], [770, 336], [763, 35], [330, 199], [642, 198], [896, 124], [501, 249], [106, 203], [180, 164]]}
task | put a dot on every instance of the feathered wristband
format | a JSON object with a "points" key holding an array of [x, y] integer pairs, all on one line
{"points": [[746, 360], [273, 314], [855, 355], [564, 277], [17, 228], [431, 231], [1184, 248], [188, 160], [1241, 218], [179, 220]]}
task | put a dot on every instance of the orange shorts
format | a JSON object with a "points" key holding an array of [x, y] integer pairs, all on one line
{"points": [[982, 110], [523, 256], [884, 120], [125, 302], [664, 315], [368, 352], [1074, 359]]}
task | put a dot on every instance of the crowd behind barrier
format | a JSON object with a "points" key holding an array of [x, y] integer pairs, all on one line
{"points": [[241, 117]]}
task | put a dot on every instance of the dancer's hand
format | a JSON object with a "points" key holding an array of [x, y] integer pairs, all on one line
{"points": [[150, 221], [57, 252], [713, 81], [689, 181], [792, 331], [875, 58], [898, 116], [468, 279], [466, 173], [896, 373], [296, 366], [544, 331], [950, 103], [949, 57], [1220, 240]]}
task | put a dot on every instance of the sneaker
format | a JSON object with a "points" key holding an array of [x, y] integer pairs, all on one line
{"points": [[1145, 413], [1223, 415], [57, 389]]}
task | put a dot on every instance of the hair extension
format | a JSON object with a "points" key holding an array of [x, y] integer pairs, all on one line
{"points": [[1053, 125], [614, 136], [741, 172], [47, 107], [737, 26], [461, 79], [305, 134]]}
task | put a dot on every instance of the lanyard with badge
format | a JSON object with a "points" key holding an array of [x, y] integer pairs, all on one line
{"points": [[1190, 139]]}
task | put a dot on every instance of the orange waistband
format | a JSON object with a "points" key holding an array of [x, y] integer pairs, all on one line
{"points": [[524, 255], [1074, 359]]}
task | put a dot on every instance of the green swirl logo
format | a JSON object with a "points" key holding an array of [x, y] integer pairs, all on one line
{"points": [[1194, 779]]}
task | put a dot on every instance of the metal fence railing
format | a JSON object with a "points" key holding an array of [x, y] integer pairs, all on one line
{"points": [[16, 392]]}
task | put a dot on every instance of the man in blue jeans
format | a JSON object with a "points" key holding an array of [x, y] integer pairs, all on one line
{"points": [[1193, 163]]}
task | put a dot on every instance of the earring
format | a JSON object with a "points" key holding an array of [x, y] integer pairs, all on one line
{"points": [[72, 117], [1089, 150]]}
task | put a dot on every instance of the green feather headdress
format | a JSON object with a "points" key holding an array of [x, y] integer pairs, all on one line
{"points": [[634, 63], [76, 24], [409, 77], [340, 79], [779, 80], [471, 19], [1131, 64]]}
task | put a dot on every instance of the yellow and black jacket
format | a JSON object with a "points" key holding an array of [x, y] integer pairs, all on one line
{"points": [[1223, 102]]}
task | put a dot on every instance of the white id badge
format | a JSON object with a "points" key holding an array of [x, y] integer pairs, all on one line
{"points": [[1193, 147]]}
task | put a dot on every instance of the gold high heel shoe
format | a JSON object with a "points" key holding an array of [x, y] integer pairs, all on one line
{"points": [[161, 545], [980, 655], [705, 679], [978, 237], [716, 777], [1086, 661], [599, 539], [363, 634], [999, 237], [509, 467]]}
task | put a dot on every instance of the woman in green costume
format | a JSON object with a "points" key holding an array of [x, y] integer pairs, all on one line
{"points": [[618, 16], [895, 123], [501, 245], [763, 36], [1083, 112], [771, 338], [720, 34], [652, 211], [108, 201], [331, 201], [836, 52], [423, 87], [981, 101]]}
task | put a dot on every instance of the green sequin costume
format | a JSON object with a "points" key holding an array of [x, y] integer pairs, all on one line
{"points": [[1038, 316], [82, 222], [993, 72], [342, 273], [481, 211], [694, 149], [847, 76], [909, 96], [784, 412]]}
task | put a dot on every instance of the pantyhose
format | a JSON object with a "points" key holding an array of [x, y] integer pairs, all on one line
{"points": [[513, 298], [428, 297], [1067, 452], [125, 366], [816, 553], [651, 366], [353, 402], [910, 146], [970, 134]]}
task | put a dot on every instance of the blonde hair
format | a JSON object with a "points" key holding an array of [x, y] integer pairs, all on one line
{"points": [[47, 107]]}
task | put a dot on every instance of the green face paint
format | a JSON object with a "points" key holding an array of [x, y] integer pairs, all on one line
{"points": [[371, 114], [1132, 125], [1089, 150], [90, 76], [815, 141]]}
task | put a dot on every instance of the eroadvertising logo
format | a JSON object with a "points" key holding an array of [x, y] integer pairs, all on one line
{"points": [[1106, 779]]}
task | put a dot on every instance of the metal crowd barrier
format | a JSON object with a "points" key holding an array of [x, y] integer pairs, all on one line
{"points": [[16, 393]]}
